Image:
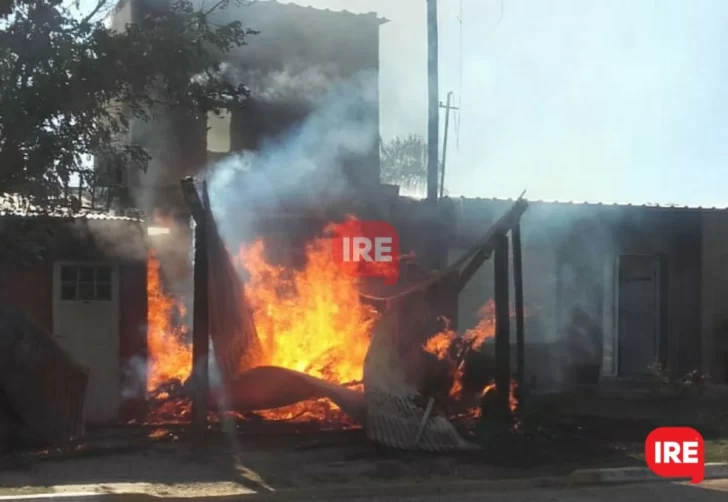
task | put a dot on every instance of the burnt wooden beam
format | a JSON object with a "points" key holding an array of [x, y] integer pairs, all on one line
{"points": [[471, 268], [520, 320], [502, 325], [483, 248], [192, 198], [200, 309]]}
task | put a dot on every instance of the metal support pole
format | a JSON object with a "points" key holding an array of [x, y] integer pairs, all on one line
{"points": [[520, 327], [502, 325]]}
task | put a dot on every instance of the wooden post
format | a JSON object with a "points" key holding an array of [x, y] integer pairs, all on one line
{"points": [[200, 312], [502, 326], [520, 328]]}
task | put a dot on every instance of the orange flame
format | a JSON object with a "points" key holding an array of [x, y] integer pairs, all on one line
{"points": [[170, 357], [512, 400], [485, 328], [310, 320], [440, 345]]}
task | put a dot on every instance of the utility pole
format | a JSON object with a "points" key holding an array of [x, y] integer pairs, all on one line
{"points": [[447, 108], [433, 158], [435, 247]]}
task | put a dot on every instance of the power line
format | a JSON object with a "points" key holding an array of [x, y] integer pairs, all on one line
{"points": [[460, 78]]}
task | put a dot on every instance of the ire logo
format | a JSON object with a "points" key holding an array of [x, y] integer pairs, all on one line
{"points": [[676, 452], [367, 249]]}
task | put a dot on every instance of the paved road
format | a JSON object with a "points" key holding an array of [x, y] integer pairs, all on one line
{"points": [[708, 491]]}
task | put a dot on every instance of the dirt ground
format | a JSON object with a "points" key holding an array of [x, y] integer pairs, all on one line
{"points": [[241, 464], [163, 461]]}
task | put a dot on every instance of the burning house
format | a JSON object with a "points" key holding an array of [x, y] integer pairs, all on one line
{"points": [[309, 71], [301, 153]]}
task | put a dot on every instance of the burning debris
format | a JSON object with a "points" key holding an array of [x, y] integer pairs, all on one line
{"points": [[323, 353], [311, 321], [170, 354]]}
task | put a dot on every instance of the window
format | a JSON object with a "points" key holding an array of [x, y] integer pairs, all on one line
{"points": [[86, 282]]}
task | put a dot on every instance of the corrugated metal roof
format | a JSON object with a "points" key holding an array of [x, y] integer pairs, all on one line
{"points": [[70, 215], [15, 206], [580, 203], [599, 203]]}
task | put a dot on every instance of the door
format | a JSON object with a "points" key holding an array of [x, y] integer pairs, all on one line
{"points": [[639, 314], [86, 324]]}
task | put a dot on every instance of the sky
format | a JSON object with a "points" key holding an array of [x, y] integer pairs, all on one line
{"points": [[598, 100], [586, 100]]}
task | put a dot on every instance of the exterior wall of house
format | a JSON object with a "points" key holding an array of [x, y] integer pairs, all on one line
{"points": [[571, 262], [36, 289], [299, 54], [292, 69], [29, 288], [715, 295], [552, 286], [121, 15], [288, 66]]}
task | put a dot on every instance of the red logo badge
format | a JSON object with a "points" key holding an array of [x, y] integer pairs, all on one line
{"points": [[676, 452], [367, 249]]}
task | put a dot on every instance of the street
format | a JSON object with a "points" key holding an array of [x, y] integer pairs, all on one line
{"points": [[708, 491]]}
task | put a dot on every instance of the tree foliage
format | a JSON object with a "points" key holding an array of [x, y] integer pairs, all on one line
{"points": [[403, 162], [64, 78]]}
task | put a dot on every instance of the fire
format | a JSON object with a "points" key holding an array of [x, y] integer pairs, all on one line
{"points": [[512, 400], [310, 320], [439, 345], [485, 328], [170, 358], [442, 343]]}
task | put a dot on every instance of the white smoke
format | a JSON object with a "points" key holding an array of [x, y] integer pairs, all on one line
{"points": [[294, 83], [306, 165]]}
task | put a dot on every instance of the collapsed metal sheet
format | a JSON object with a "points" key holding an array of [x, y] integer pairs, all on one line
{"points": [[394, 416], [269, 387], [43, 384], [232, 328], [395, 413]]}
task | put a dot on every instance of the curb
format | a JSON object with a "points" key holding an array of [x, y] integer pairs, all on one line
{"points": [[581, 477], [65, 497], [713, 470]]}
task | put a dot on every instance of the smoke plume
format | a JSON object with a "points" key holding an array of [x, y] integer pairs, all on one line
{"points": [[304, 167]]}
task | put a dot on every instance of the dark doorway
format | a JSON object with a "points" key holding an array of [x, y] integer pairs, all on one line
{"points": [[641, 307]]}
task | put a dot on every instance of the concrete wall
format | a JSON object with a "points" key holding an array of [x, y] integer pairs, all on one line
{"points": [[121, 15]]}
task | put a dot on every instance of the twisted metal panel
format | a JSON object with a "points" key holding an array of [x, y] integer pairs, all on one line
{"points": [[44, 385]]}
